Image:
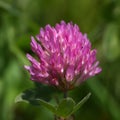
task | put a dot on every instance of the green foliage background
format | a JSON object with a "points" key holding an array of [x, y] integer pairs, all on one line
{"points": [[100, 19]]}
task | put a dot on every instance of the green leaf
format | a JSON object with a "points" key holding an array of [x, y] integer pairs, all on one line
{"points": [[65, 107], [26, 97], [20, 98], [29, 96], [76, 107], [47, 105]]}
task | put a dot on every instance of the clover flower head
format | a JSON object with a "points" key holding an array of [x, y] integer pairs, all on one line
{"points": [[64, 58]]}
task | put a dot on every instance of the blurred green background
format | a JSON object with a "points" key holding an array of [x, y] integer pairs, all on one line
{"points": [[100, 19]]}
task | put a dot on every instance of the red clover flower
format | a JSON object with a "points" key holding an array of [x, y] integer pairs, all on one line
{"points": [[64, 57]]}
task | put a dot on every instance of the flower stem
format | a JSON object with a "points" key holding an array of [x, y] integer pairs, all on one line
{"points": [[65, 94]]}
